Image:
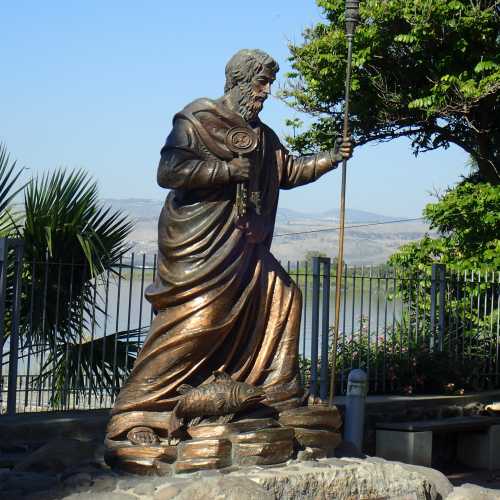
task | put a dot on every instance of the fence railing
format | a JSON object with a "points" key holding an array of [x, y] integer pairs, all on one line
{"points": [[69, 340]]}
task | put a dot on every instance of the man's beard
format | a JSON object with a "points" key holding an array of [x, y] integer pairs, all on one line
{"points": [[249, 103]]}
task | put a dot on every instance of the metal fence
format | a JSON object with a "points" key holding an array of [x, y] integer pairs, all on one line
{"points": [[68, 341]]}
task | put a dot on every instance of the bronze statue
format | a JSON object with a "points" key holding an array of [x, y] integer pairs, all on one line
{"points": [[223, 396], [223, 302]]}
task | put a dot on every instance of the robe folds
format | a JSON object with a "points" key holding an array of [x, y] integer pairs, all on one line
{"points": [[223, 301]]}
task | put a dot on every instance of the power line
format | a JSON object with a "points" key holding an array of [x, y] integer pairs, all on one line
{"points": [[349, 227]]}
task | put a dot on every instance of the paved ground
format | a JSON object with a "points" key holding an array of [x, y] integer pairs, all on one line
{"points": [[459, 475]]}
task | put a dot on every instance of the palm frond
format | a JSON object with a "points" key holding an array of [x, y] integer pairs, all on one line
{"points": [[9, 176], [90, 367]]}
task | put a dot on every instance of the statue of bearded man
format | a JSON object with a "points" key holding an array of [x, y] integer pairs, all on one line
{"points": [[223, 302]]}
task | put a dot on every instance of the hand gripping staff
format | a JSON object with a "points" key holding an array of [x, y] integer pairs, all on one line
{"points": [[351, 20]]}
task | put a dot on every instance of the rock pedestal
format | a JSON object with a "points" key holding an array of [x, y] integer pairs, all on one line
{"points": [[312, 417], [341, 479], [315, 428], [311, 431], [198, 454], [140, 459], [263, 447]]}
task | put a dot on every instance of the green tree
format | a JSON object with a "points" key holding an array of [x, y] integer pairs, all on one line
{"points": [[428, 70], [310, 254], [467, 219]]}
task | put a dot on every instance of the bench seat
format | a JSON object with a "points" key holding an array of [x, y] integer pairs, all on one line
{"points": [[452, 424], [411, 442]]}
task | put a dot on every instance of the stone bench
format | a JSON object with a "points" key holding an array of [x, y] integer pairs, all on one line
{"points": [[478, 442]]}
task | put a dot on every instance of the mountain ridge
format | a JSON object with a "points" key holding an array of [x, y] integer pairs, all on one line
{"points": [[353, 215], [297, 233]]}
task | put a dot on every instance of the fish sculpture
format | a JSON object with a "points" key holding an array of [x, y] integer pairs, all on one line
{"points": [[223, 396]]}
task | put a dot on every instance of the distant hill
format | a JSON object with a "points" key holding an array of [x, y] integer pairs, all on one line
{"points": [[137, 208], [363, 245], [353, 216]]}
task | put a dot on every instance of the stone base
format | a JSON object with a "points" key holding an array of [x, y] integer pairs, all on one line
{"points": [[312, 417], [140, 459], [247, 442], [196, 464], [204, 448], [219, 430], [318, 439], [367, 479], [273, 453]]}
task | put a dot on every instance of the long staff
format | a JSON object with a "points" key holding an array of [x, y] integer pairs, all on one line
{"points": [[351, 19]]}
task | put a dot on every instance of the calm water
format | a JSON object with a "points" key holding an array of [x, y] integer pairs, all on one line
{"points": [[127, 309]]}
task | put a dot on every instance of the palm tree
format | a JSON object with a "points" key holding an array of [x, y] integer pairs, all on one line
{"points": [[9, 189], [71, 242], [9, 176]]}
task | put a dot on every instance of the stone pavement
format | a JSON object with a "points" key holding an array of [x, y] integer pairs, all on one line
{"points": [[75, 469], [460, 475], [346, 478]]}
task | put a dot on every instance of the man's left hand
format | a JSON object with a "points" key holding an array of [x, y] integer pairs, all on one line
{"points": [[343, 149]]}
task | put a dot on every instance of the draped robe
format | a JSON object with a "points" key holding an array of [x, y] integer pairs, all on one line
{"points": [[223, 301]]}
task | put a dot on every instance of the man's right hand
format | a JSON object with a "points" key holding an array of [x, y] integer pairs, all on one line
{"points": [[239, 168]]}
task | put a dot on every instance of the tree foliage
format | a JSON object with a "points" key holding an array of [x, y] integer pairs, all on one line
{"points": [[467, 219], [9, 176], [428, 70]]}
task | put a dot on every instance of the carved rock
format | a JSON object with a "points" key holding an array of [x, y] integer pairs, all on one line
{"points": [[204, 448], [120, 424], [219, 430], [209, 431], [262, 453], [196, 464], [252, 424], [141, 467], [264, 435], [141, 459], [312, 417], [313, 438], [311, 454]]}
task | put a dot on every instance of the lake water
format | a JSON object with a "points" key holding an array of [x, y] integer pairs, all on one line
{"points": [[364, 304]]}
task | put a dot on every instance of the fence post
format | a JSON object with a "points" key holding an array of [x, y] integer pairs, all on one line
{"points": [[14, 334], [442, 304], [313, 390], [325, 329], [3, 283], [357, 389], [438, 285], [433, 307]]}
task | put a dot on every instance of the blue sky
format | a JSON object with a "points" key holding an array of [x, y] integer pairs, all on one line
{"points": [[94, 84]]}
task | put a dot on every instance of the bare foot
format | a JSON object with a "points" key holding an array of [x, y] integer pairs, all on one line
{"points": [[142, 436]]}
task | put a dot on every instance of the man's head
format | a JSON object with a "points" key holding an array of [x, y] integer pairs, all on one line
{"points": [[249, 76]]}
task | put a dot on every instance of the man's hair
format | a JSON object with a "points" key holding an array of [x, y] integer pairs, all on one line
{"points": [[245, 64]]}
